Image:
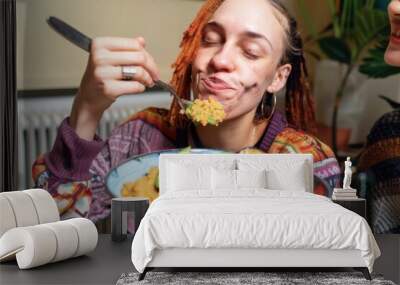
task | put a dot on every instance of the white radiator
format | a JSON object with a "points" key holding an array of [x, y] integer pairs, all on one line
{"points": [[37, 129]]}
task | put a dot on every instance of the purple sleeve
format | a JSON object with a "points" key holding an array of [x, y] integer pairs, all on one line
{"points": [[71, 156], [74, 171]]}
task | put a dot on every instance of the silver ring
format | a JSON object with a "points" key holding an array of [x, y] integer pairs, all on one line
{"points": [[128, 72]]}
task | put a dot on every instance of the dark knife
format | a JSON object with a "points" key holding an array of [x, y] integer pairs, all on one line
{"points": [[70, 33]]}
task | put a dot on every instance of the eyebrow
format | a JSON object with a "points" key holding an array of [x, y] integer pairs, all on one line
{"points": [[248, 34]]}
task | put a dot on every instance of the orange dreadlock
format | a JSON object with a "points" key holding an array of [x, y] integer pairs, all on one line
{"points": [[182, 75], [299, 102]]}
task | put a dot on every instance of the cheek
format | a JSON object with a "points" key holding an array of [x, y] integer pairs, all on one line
{"points": [[199, 65], [260, 74], [243, 103], [201, 60]]}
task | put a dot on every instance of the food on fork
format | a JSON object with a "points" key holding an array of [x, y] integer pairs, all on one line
{"points": [[208, 111]]}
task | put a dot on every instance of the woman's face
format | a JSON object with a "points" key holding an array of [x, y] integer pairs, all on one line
{"points": [[239, 55], [392, 55]]}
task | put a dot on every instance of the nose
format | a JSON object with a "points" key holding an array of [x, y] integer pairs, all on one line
{"points": [[394, 9], [223, 59]]}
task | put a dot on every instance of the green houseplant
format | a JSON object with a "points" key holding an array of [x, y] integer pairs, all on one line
{"points": [[356, 37]]}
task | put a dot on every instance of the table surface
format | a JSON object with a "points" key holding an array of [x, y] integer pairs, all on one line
{"points": [[104, 265]]}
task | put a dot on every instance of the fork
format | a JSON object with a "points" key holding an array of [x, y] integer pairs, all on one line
{"points": [[183, 103]]}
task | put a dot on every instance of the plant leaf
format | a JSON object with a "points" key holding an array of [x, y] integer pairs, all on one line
{"points": [[369, 25], [336, 49], [334, 17], [307, 18], [392, 103], [374, 64]]}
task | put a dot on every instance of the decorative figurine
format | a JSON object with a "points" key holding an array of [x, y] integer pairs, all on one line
{"points": [[345, 193], [347, 174]]}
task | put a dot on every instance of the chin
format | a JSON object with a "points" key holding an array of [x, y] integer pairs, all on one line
{"points": [[392, 56], [220, 98], [234, 113]]}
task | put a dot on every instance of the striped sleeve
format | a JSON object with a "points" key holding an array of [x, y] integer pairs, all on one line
{"points": [[326, 167]]}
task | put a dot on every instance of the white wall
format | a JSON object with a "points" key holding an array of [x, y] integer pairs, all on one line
{"points": [[46, 60]]}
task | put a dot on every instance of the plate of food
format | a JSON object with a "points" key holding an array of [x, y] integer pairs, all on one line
{"points": [[138, 176]]}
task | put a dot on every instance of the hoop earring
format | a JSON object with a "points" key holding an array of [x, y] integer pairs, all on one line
{"points": [[263, 113]]}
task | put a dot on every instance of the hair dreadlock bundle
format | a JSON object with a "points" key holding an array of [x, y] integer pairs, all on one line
{"points": [[299, 102], [182, 74], [300, 110]]}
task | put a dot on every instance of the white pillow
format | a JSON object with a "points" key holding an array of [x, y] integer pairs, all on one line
{"points": [[182, 177], [223, 179], [281, 174], [228, 179], [293, 180], [251, 178]]}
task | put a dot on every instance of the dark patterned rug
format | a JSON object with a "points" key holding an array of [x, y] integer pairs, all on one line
{"points": [[243, 278]]}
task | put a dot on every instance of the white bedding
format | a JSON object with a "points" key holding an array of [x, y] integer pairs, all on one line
{"points": [[252, 218]]}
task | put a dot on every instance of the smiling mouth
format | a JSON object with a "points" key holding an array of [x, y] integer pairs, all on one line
{"points": [[396, 34], [395, 37]]}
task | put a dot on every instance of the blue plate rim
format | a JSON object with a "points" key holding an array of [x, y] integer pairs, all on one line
{"points": [[149, 153]]}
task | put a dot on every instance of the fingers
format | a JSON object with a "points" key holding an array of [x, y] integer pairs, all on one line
{"points": [[115, 88], [116, 44], [152, 66], [123, 51], [104, 73], [135, 58], [141, 41]]}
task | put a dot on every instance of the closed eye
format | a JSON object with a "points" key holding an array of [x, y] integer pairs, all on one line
{"points": [[252, 50], [211, 38], [251, 54]]}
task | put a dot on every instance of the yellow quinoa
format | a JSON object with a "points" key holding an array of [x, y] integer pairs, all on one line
{"points": [[204, 112]]}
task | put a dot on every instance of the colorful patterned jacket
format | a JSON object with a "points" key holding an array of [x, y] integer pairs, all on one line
{"points": [[74, 171]]}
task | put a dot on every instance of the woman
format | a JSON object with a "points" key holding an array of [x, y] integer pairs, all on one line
{"points": [[237, 52], [380, 160]]}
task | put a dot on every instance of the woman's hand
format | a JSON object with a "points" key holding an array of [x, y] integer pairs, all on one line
{"points": [[102, 82]]}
